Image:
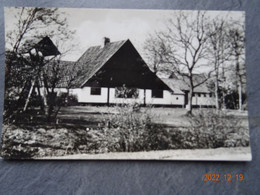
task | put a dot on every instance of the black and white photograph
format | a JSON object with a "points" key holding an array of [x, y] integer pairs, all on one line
{"points": [[125, 84]]}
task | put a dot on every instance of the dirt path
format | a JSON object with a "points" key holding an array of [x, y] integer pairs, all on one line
{"points": [[219, 154]]}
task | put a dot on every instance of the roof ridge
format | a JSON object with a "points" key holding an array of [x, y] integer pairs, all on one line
{"points": [[96, 46], [124, 40]]}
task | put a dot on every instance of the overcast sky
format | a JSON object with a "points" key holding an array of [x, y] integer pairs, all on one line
{"points": [[91, 25]]}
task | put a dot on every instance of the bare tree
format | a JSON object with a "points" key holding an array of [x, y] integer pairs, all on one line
{"points": [[182, 47], [237, 42], [218, 49], [60, 74], [36, 23], [153, 54]]}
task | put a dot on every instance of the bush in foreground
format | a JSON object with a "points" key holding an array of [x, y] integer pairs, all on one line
{"points": [[212, 129], [129, 131], [126, 129]]}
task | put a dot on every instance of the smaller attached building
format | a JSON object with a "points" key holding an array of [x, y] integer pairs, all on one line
{"points": [[202, 96]]}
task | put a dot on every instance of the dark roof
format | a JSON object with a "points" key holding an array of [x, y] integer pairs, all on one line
{"points": [[94, 58], [44, 45], [47, 47]]}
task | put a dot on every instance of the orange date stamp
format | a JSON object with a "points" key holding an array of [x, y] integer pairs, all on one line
{"points": [[225, 177]]}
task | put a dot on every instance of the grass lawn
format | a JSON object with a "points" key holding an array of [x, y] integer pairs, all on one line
{"points": [[167, 116]]}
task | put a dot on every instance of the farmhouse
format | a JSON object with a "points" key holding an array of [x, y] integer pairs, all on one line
{"points": [[116, 73]]}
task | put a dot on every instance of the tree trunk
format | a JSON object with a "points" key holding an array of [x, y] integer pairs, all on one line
{"points": [[51, 99], [190, 94], [20, 99], [240, 94], [67, 97], [239, 82], [189, 106], [223, 99], [217, 93]]}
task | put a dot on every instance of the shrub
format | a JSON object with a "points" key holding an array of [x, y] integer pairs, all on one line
{"points": [[126, 129], [212, 129], [12, 148]]}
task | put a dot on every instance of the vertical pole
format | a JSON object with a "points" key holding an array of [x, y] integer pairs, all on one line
{"points": [[44, 95], [29, 95], [108, 94]]}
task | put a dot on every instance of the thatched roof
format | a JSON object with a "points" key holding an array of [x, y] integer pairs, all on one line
{"points": [[182, 83], [94, 58], [172, 85]]}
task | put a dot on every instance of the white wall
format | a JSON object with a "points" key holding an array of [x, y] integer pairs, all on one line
{"points": [[59, 90], [84, 96], [177, 99], [113, 99], [202, 100], [168, 98]]}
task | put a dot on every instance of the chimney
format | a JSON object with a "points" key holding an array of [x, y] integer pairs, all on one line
{"points": [[106, 41]]}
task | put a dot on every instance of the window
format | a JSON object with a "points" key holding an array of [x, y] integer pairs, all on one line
{"points": [[95, 91], [124, 92], [177, 98], [210, 95], [205, 95], [193, 95], [199, 94], [157, 93]]}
